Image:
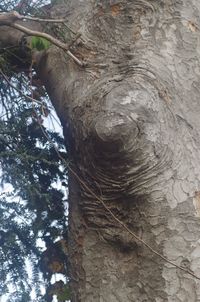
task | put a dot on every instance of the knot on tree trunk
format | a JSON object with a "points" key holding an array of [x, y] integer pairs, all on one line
{"points": [[129, 142], [112, 131]]}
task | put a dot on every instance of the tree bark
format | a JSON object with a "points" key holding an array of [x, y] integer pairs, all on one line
{"points": [[131, 123]]}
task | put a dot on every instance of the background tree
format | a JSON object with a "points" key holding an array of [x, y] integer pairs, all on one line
{"points": [[126, 93]]}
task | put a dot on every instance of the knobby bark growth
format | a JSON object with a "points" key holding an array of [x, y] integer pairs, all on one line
{"points": [[131, 123]]}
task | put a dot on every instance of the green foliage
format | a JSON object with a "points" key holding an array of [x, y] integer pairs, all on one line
{"points": [[35, 208], [39, 43], [59, 289], [64, 294], [31, 164], [17, 241]]}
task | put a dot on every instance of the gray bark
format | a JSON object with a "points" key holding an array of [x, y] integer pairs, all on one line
{"points": [[131, 123]]}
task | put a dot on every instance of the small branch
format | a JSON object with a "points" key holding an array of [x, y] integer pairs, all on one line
{"points": [[13, 16], [9, 19], [43, 20], [48, 37]]}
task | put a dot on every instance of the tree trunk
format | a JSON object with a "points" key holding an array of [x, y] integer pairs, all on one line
{"points": [[131, 123]]}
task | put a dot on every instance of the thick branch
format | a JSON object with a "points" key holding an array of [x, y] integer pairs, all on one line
{"points": [[9, 18]]}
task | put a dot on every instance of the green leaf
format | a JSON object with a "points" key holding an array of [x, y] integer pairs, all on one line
{"points": [[64, 294], [39, 43]]}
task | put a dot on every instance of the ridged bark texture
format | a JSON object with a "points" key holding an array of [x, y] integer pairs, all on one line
{"points": [[131, 119]]}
